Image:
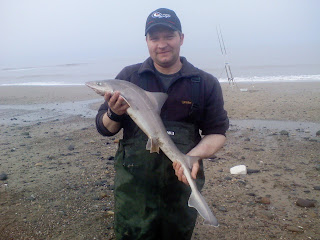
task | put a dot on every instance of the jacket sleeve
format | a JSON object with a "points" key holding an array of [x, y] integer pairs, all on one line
{"points": [[99, 123], [215, 120]]}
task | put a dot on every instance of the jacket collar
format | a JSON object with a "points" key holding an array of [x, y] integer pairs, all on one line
{"points": [[187, 70]]}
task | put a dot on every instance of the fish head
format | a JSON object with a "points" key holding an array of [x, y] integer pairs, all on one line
{"points": [[100, 87]]}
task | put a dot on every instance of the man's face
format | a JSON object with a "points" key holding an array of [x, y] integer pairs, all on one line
{"points": [[164, 46]]}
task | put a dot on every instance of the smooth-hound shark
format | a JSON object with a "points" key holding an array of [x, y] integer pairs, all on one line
{"points": [[144, 109]]}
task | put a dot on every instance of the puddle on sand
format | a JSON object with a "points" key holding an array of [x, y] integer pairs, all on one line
{"points": [[303, 129], [32, 113]]}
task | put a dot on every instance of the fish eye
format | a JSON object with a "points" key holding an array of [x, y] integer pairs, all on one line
{"points": [[99, 83]]}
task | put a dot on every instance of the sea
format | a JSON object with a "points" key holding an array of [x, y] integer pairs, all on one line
{"points": [[76, 74], [79, 73]]}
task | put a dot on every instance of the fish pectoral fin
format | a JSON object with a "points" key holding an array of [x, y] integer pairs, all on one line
{"points": [[153, 145], [199, 203], [190, 160]]}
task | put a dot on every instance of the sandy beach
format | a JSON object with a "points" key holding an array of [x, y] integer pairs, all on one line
{"points": [[56, 171]]}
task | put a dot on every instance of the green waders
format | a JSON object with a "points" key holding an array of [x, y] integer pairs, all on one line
{"points": [[150, 201]]}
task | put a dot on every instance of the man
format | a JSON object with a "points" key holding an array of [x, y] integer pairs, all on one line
{"points": [[151, 193]]}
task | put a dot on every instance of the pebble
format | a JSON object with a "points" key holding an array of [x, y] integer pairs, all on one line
{"points": [[258, 150], [316, 187], [71, 147], [101, 183], [284, 132], [51, 157], [252, 170], [251, 194], [268, 215], [32, 198], [249, 204], [63, 213], [110, 225], [103, 195], [110, 213], [222, 209], [295, 229], [264, 200], [3, 176], [318, 133], [241, 182], [305, 203]]}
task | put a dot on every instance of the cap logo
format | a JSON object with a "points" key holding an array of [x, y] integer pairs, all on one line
{"points": [[160, 15]]}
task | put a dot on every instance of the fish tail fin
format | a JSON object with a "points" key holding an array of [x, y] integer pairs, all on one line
{"points": [[197, 201], [153, 145], [190, 160]]}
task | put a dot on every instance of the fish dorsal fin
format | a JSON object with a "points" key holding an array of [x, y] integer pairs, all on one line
{"points": [[157, 99]]}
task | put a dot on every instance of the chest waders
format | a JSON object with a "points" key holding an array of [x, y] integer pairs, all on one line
{"points": [[150, 201]]}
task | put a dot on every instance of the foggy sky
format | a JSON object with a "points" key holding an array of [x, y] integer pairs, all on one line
{"points": [[40, 32]]}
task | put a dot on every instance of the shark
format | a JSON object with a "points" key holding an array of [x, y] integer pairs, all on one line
{"points": [[144, 109]]}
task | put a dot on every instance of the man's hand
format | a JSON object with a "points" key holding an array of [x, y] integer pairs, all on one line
{"points": [[208, 146], [116, 103], [179, 171]]}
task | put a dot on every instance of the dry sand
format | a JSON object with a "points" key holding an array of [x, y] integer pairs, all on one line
{"points": [[60, 170]]}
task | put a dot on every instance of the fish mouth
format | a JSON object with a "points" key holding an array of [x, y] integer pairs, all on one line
{"points": [[94, 85]]}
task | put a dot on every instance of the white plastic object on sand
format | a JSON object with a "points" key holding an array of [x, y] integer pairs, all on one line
{"points": [[240, 169]]}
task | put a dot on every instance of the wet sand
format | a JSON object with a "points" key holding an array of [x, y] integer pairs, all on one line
{"points": [[57, 171]]}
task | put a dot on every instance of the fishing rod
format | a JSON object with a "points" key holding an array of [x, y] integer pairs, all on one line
{"points": [[224, 53]]}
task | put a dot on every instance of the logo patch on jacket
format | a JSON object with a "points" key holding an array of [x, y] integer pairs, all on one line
{"points": [[186, 102]]}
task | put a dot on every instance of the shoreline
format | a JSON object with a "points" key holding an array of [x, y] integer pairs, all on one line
{"points": [[296, 102], [251, 82]]}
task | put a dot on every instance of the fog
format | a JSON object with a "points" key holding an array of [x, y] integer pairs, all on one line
{"points": [[44, 32]]}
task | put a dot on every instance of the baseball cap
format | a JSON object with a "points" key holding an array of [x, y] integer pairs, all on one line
{"points": [[165, 17]]}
